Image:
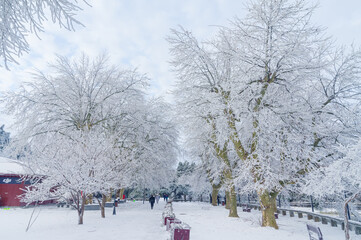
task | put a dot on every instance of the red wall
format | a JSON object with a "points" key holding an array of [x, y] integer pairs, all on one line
{"points": [[10, 188]]}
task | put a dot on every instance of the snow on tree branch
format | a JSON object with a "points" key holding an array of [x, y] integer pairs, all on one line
{"points": [[87, 127], [21, 17]]}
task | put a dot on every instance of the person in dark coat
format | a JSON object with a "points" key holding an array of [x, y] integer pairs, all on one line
{"points": [[218, 200], [152, 201]]}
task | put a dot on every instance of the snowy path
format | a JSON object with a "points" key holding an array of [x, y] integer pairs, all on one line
{"points": [[135, 221]]}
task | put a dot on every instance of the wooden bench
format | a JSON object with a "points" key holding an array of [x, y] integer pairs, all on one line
{"points": [[314, 232], [60, 204], [246, 210], [172, 220]]}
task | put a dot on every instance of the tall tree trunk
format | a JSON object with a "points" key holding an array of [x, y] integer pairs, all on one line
{"points": [[121, 193], [215, 190], [102, 205], [81, 209], [233, 203], [347, 231], [346, 202], [185, 198], [268, 208], [228, 198]]}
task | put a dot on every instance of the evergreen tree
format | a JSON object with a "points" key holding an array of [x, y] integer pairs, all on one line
{"points": [[4, 138]]}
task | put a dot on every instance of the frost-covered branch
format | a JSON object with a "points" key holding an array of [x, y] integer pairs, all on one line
{"points": [[21, 17]]}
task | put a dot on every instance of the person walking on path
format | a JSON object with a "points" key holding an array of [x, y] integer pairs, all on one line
{"points": [[152, 200], [157, 197]]}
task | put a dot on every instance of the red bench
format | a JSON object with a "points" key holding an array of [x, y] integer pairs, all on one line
{"points": [[172, 220], [180, 232]]}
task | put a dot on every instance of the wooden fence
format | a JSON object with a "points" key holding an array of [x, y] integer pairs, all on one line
{"points": [[324, 219]]}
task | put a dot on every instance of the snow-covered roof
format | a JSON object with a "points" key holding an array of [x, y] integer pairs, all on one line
{"points": [[9, 166]]}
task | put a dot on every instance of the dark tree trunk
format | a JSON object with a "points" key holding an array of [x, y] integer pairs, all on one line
{"points": [[346, 211], [233, 203], [81, 209], [102, 205], [268, 208], [228, 198], [215, 190]]}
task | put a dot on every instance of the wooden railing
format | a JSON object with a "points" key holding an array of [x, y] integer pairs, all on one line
{"points": [[324, 219]]}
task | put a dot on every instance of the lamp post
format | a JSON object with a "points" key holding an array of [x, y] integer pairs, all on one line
{"points": [[348, 209], [114, 204]]}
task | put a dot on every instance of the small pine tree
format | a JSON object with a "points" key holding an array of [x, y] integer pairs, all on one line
{"points": [[4, 138]]}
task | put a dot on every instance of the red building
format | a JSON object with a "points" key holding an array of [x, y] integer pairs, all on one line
{"points": [[11, 184]]}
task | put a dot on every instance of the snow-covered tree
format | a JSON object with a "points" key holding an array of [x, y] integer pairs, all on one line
{"points": [[341, 178], [4, 138], [182, 185], [93, 106], [199, 183], [185, 168], [154, 144], [20, 18], [71, 167], [199, 106], [77, 95], [271, 93], [210, 167]]}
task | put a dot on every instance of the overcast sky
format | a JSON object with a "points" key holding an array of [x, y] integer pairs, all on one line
{"points": [[133, 33]]}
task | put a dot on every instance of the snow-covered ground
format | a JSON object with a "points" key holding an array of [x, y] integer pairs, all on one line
{"points": [[135, 221]]}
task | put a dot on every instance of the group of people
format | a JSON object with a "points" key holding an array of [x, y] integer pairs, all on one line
{"points": [[156, 198]]}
